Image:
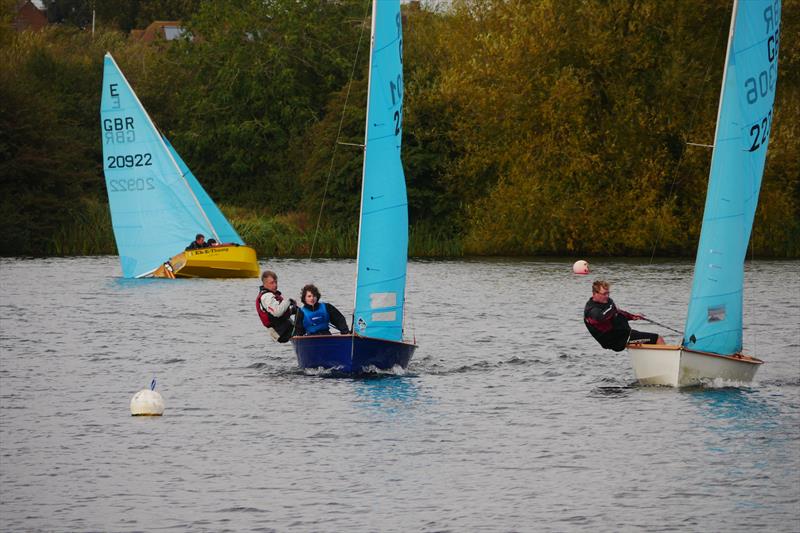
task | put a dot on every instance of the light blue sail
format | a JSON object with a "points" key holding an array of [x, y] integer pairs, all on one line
{"points": [[714, 321], [224, 229], [383, 229], [154, 210]]}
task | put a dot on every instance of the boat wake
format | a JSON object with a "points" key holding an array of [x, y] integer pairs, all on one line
{"points": [[367, 372]]}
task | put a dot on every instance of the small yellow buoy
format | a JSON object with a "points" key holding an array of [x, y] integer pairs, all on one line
{"points": [[147, 402], [580, 267]]}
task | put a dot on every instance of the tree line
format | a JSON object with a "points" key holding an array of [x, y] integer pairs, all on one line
{"points": [[529, 128]]}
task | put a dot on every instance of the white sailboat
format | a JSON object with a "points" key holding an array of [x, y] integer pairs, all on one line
{"points": [[712, 344]]}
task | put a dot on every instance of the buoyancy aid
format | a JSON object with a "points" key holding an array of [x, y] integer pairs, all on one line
{"points": [[262, 313], [280, 328], [316, 320]]}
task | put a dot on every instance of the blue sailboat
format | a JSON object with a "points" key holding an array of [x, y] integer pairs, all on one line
{"points": [[377, 339], [712, 343], [157, 205]]}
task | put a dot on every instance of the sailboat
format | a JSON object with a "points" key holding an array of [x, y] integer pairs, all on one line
{"points": [[157, 205], [712, 345], [377, 338]]}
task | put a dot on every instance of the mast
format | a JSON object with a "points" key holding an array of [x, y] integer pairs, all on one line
{"points": [[366, 147], [731, 32]]}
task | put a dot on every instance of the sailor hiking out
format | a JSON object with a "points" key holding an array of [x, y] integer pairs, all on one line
{"points": [[275, 311], [609, 325]]}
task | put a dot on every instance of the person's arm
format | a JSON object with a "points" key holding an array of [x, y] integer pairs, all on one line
{"points": [[299, 328], [630, 316], [273, 306], [337, 319]]}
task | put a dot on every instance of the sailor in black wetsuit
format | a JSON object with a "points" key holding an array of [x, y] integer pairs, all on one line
{"points": [[609, 325]]}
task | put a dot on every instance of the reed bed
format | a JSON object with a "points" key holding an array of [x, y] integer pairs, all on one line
{"points": [[287, 235], [88, 233]]}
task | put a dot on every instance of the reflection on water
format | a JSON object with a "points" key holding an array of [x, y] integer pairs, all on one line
{"points": [[745, 430], [391, 395], [735, 410]]}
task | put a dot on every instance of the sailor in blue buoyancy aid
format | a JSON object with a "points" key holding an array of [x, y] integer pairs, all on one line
{"points": [[275, 311], [315, 317]]}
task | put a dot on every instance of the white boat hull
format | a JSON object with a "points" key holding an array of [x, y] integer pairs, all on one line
{"points": [[675, 366]]}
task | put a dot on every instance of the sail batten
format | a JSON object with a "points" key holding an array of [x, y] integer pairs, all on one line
{"points": [[714, 319]]}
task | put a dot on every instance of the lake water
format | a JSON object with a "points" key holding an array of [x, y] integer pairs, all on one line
{"points": [[509, 418]]}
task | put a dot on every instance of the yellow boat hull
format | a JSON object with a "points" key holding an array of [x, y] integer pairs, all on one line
{"points": [[213, 262]]}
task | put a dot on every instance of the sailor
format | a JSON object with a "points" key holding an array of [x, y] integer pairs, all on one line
{"points": [[609, 325], [275, 311], [315, 317], [198, 242]]}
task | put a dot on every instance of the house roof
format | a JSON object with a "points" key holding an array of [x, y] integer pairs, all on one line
{"points": [[29, 17], [166, 30]]}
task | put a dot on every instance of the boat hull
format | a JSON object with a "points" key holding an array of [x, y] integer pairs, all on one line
{"points": [[675, 366], [212, 262], [351, 353]]}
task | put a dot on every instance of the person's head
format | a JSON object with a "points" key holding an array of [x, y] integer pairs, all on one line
{"points": [[213, 242], [269, 280], [310, 295], [600, 291], [199, 238]]}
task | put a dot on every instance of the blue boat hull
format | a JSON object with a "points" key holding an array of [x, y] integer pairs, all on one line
{"points": [[351, 353]]}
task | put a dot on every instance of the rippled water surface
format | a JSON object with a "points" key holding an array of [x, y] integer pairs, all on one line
{"points": [[509, 418]]}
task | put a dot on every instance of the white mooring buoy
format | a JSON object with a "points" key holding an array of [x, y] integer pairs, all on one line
{"points": [[580, 267], [147, 402]]}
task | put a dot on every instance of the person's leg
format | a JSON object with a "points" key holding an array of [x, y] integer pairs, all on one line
{"points": [[643, 337]]}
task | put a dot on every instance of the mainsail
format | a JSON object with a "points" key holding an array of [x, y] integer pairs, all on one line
{"points": [[155, 211], [714, 321], [383, 227]]}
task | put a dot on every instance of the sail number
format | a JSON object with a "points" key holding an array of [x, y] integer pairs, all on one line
{"points": [[119, 130], [130, 161], [761, 87], [764, 83], [759, 132], [396, 87], [133, 184]]}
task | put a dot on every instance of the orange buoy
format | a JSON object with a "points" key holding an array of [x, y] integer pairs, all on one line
{"points": [[581, 267]]}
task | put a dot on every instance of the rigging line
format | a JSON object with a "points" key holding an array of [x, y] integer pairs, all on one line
{"points": [[339, 132], [692, 118]]}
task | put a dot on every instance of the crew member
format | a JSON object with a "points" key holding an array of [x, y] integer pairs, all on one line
{"points": [[275, 311], [315, 317], [198, 242]]}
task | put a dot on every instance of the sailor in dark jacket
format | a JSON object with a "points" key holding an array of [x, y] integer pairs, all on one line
{"points": [[315, 317], [609, 325], [198, 242]]}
